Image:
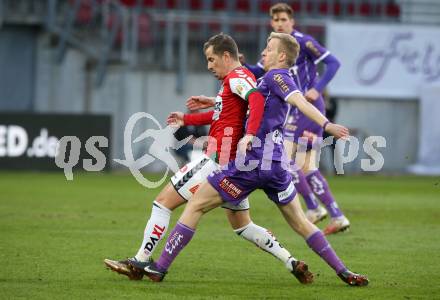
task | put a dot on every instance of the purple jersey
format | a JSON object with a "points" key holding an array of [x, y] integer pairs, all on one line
{"points": [[276, 86], [304, 71], [233, 183], [305, 74]]}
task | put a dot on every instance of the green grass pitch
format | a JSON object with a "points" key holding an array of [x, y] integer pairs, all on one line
{"points": [[54, 235]]}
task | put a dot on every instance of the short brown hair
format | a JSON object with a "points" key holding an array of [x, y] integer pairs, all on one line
{"points": [[220, 43], [288, 44], [281, 8]]}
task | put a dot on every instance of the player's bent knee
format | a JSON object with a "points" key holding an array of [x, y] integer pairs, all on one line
{"points": [[238, 219], [169, 198], [305, 228], [205, 199]]}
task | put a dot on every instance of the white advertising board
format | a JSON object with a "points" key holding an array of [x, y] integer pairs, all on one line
{"points": [[382, 60]]}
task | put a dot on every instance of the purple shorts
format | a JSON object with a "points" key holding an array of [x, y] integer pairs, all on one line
{"points": [[297, 123], [234, 185]]}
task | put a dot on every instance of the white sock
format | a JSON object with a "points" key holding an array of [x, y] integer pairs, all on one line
{"points": [[155, 230], [265, 240]]}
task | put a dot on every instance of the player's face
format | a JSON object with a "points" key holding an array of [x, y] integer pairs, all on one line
{"points": [[282, 23], [270, 55], [216, 63]]}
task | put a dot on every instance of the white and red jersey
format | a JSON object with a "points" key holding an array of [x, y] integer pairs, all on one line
{"points": [[229, 115]]}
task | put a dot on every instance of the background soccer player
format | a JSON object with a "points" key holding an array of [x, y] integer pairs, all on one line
{"points": [[298, 125], [231, 185], [237, 93]]}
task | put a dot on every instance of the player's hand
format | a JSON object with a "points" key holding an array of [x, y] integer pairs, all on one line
{"points": [[311, 95], [241, 58], [199, 102], [175, 119], [245, 144], [338, 131]]}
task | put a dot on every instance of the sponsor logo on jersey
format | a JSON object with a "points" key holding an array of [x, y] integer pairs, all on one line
{"points": [[173, 243], [239, 89], [230, 188], [218, 106], [194, 189], [277, 137], [155, 237], [279, 79]]}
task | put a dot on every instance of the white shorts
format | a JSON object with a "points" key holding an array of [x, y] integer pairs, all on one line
{"points": [[188, 179]]}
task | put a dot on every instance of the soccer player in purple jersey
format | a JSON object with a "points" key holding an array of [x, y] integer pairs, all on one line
{"points": [[298, 125], [237, 94], [266, 167]]}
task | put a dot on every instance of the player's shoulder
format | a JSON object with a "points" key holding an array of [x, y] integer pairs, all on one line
{"points": [[241, 72], [303, 38], [299, 36], [278, 77], [276, 73], [241, 76]]}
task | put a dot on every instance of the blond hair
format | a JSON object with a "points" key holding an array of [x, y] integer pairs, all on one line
{"points": [[288, 45]]}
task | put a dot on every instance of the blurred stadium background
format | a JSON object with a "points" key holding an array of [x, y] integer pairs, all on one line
{"points": [[83, 67]]}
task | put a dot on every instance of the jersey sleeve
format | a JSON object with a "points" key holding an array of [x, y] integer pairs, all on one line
{"points": [[281, 84], [242, 85], [315, 50]]}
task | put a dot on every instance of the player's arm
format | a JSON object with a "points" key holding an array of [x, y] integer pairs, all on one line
{"points": [[320, 54], [204, 118], [178, 118], [246, 87], [256, 112], [284, 86], [200, 102], [297, 99], [331, 67]]}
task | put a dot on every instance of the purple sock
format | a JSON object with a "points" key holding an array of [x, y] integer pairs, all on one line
{"points": [[318, 243], [321, 189], [177, 240], [301, 185]]}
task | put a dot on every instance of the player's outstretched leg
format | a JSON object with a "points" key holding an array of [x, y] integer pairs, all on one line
{"points": [[205, 199], [129, 267], [265, 240], [301, 271], [320, 187], [315, 212], [316, 240], [319, 244], [154, 232], [353, 279]]}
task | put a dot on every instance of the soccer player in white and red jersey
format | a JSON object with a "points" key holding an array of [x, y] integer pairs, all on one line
{"points": [[237, 93]]}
